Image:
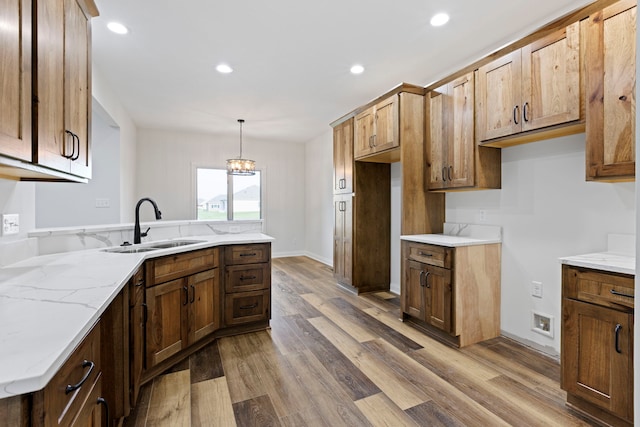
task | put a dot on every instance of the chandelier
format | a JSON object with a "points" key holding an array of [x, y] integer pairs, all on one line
{"points": [[240, 166]]}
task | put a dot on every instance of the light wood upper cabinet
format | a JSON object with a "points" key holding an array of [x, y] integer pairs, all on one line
{"points": [[376, 128], [343, 157], [533, 88], [454, 160], [62, 87], [610, 79], [15, 79]]}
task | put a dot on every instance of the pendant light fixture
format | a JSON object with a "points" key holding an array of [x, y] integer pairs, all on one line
{"points": [[240, 166]]}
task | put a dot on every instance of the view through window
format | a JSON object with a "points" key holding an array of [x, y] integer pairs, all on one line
{"points": [[228, 197]]}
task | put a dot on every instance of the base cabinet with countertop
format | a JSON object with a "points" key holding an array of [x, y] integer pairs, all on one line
{"points": [[597, 343], [450, 287]]}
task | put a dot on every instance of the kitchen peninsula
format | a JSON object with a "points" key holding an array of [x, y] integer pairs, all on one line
{"points": [[49, 303]]}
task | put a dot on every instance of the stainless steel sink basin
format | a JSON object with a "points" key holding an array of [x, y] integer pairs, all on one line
{"points": [[148, 247], [127, 250], [174, 244]]}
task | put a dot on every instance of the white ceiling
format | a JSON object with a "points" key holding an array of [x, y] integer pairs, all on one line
{"points": [[291, 57]]}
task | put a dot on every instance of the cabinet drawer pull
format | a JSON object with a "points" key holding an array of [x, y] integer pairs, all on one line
{"points": [[251, 254], [102, 401], [620, 294], [424, 254], [516, 113], [617, 332], [248, 307], [85, 364], [248, 277]]}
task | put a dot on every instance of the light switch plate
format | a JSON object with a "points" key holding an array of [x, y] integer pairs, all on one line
{"points": [[10, 224]]}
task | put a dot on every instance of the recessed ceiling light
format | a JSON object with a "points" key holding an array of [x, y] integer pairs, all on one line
{"points": [[224, 69], [439, 19], [117, 28], [357, 69]]}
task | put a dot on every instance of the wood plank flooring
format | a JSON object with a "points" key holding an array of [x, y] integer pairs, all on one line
{"points": [[335, 359]]}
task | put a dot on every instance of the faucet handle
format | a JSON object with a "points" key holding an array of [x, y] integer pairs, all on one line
{"points": [[144, 234]]}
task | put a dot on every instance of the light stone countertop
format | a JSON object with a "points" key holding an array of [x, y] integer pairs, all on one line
{"points": [[48, 304], [448, 240], [607, 261]]}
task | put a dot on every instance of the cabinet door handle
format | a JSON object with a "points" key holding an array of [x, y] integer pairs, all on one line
{"points": [[444, 176], [371, 141], [516, 114], [614, 292], [450, 172], [248, 307], [375, 137], [251, 254], [145, 313], [426, 279], [248, 277], [85, 364], [193, 295], [617, 331], [421, 276], [525, 108], [73, 145], [103, 401], [186, 295], [75, 155]]}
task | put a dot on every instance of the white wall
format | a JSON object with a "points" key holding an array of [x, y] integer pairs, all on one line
{"points": [[67, 204], [18, 198], [547, 210], [319, 198], [108, 100], [166, 173]]}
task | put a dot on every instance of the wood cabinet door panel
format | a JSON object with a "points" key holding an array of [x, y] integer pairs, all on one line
{"points": [[167, 320], [461, 139], [597, 350], [386, 132], [363, 133], [610, 64], [204, 304], [343, 157], [413, 292], [77, 96], [499, 97], [437, 281], [343, 247], [52, 142], [551, 79], [91, 413], [15, 84], [437, 137]]}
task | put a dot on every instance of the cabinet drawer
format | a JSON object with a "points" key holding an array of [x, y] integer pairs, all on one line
{"points": [[180, 265], [430, 254], [247, 254], [598, 287], [62, 403], [250, 277], [246, 307]]}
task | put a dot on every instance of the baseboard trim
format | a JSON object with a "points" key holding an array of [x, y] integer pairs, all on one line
{"points": [[546, 350]]}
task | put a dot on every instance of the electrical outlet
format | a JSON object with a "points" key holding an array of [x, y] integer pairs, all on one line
{"points": [[536, 289], [10, 224], [482, 216], [102, 203]]}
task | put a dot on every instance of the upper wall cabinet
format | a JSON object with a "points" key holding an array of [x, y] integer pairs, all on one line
{"points": [[610, 79], [343, 157], [531, 89], [62, 86], [376, 128], [15, 79], [453, 159], [45, 110]]}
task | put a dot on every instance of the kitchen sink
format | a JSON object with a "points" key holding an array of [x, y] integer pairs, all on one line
{"points": [[127, 250], [148, 247], [174, 244]]}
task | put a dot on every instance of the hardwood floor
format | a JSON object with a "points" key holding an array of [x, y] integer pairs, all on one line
{"points": [[335, 359]]}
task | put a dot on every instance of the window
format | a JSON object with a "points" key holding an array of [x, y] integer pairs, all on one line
{"points": [[228, 197]]}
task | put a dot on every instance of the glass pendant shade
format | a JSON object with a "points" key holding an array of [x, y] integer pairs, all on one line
{"points": [[240, 166]]}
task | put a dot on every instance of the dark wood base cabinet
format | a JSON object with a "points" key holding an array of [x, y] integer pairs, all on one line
{"points": [[597, 343]]}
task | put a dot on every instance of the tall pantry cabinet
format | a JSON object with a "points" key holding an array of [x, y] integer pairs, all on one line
{"points": [[361, 216]]}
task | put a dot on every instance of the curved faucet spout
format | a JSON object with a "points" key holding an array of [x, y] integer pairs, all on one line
{"points": [[137, 235]]}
